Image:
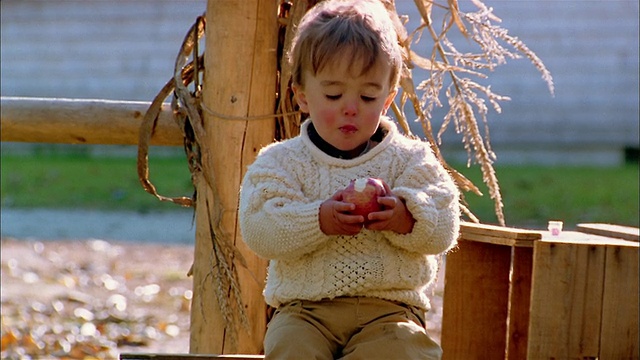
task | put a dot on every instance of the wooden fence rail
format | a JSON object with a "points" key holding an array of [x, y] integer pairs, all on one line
{"points": [[79, 121]]}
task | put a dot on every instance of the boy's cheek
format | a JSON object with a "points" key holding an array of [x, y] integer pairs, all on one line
{"points": [[327, 116]]}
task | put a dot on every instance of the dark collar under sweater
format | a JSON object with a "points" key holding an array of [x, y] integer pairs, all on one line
{"points": [[330, 150]]}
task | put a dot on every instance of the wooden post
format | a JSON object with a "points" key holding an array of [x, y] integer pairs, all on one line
{"points": [[239, 82]]}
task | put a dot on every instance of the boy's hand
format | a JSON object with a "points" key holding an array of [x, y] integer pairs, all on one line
{"points": [[395, 216], [335, 219]]}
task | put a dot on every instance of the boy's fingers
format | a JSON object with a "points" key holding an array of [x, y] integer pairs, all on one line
{"points": [[351, 219], [387, 189], [343, 206], [388, 201]]}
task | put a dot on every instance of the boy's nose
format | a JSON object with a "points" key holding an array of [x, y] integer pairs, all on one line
{"points": [[350, 108]]}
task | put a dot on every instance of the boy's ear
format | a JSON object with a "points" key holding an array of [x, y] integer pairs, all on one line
{"points": [[301, 98], [389, 100]]}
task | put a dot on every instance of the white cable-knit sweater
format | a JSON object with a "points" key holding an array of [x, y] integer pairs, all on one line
{"points": [[279, 207]]}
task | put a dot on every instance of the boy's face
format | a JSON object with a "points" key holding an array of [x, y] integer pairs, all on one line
{"points": [[344, 105]]}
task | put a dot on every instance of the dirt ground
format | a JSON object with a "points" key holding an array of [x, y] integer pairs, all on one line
{"points": [[94, 299]]}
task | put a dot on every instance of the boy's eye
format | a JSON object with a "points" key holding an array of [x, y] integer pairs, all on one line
{"points": [[363, 97]]}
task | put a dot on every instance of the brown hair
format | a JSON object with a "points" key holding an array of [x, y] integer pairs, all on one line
{"points": [[360, 29]]}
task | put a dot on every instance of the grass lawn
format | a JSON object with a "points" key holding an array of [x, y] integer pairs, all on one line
{"points": [[82, 181], [532, 194]]}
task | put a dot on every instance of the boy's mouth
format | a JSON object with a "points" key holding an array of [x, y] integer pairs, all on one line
{"points": [[348, 129]]}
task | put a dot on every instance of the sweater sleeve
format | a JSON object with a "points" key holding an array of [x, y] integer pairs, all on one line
{"points": [[276, 220], [433, 199]]}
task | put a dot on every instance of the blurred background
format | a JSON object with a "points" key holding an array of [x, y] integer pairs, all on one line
{"points": [[571, 157]]}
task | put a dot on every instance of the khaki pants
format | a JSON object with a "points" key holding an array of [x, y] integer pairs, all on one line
{"points": [[349, 329]]}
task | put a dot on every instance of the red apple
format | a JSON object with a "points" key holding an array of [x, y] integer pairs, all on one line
{"points": [[364, 194]]}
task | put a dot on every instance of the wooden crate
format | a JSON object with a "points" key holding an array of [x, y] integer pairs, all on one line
{"points": [[518, 294]]}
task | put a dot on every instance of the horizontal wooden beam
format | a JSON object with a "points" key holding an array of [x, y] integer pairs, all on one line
{"points": [[81, 121]]}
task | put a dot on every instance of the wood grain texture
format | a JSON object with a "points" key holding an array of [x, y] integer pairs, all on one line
{"points": [[240, 81], [76, 121]]}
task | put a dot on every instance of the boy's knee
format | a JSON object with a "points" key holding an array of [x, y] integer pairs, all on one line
{"points": [[290, 337], [393, 340]]}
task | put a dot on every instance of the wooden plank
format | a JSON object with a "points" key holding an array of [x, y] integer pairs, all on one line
{"points": [[497, 240], [519, 303], [566, 301], [76, 121], [580, 238], [476, 301], [499, 231], [140, 356], [498, 235], [610, 230], [619, 334]]}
